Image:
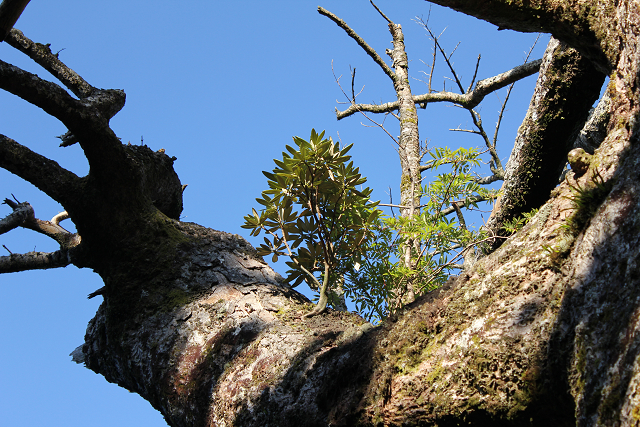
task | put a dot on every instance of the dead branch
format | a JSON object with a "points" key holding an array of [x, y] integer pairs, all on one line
{"points": [[41, 54], [352, 100], [57, 182], [35, 261], [466, 100], [15, 219], [24, 216], [380, 12], [10, 11], [368, 49]]}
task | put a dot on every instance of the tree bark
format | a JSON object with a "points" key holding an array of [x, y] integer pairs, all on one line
{"points": [[567, 87], [544, 331], [10, 11]]}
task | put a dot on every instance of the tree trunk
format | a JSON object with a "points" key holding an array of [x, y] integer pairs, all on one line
{"points": [[567, 87], [541, 332]]}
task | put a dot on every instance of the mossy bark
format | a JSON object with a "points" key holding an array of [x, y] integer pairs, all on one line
{"points": [[568, 85]]}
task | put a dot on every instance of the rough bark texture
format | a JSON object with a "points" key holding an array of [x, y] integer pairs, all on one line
{"points": [[567, 87], [544, 331]]}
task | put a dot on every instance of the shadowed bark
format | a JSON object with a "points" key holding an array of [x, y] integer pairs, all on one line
{"points": [[567, 87]]}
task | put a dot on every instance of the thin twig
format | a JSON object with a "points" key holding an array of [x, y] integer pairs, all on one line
{"points": [[380, 12], [475, 74], [368, 49]]}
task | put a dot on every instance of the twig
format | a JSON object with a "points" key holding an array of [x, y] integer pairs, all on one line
{"points": [[352, 102], [475, 73], [368, 49], [380, 12], [467, 100]]}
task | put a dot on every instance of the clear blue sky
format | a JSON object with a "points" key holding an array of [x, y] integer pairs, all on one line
{"points": [[223, 86]]}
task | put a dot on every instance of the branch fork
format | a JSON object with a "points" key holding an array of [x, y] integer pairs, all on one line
{"points": [[23, 216]]}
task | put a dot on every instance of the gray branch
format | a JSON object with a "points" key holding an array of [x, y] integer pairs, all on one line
{"points": [[467, 100], [363, 44], [42, 55], [16, 218], [24, 216], [35, 261]]}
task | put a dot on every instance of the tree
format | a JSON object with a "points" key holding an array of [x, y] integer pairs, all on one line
{"points": [[541, 331], [331, 217], [450, 193]]}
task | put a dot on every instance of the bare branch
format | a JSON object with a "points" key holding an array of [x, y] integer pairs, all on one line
{"points": [[42, 55], [16, 218], [380, 12], [58, 183], [24, 216], [492, 147], [368, 49], [35, 261], [467, 100], [10, 11], [489, 179], [352, 100], [464, 203], [54, 100], [475, 74], [57, 102]]}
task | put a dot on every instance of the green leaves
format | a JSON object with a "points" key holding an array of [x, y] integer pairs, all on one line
{"points": [[312, 210], [316, 213]]}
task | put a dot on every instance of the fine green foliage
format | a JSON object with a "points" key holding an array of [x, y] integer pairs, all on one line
{"points": [[314, 214], [586, 201], [516, 224], [437, 234]]}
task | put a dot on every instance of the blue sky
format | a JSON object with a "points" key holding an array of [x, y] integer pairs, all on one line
{"points": [[223, 86]]}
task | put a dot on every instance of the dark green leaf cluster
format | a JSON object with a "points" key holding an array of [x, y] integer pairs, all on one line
{"points": [[314, 211]]}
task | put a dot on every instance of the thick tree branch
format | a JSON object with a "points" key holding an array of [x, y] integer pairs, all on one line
{"points": [[368, 49], [467, 100], [10, 11], [54, 100], [94, 110], [42, 55], [35, 261], [567, 86], [87, 119], [579, 24], [108, 102], [58, 183]]}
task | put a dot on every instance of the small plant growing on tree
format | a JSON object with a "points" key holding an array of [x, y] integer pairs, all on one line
{"points": [[382, 278], [314, 214], [425, 237]]}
